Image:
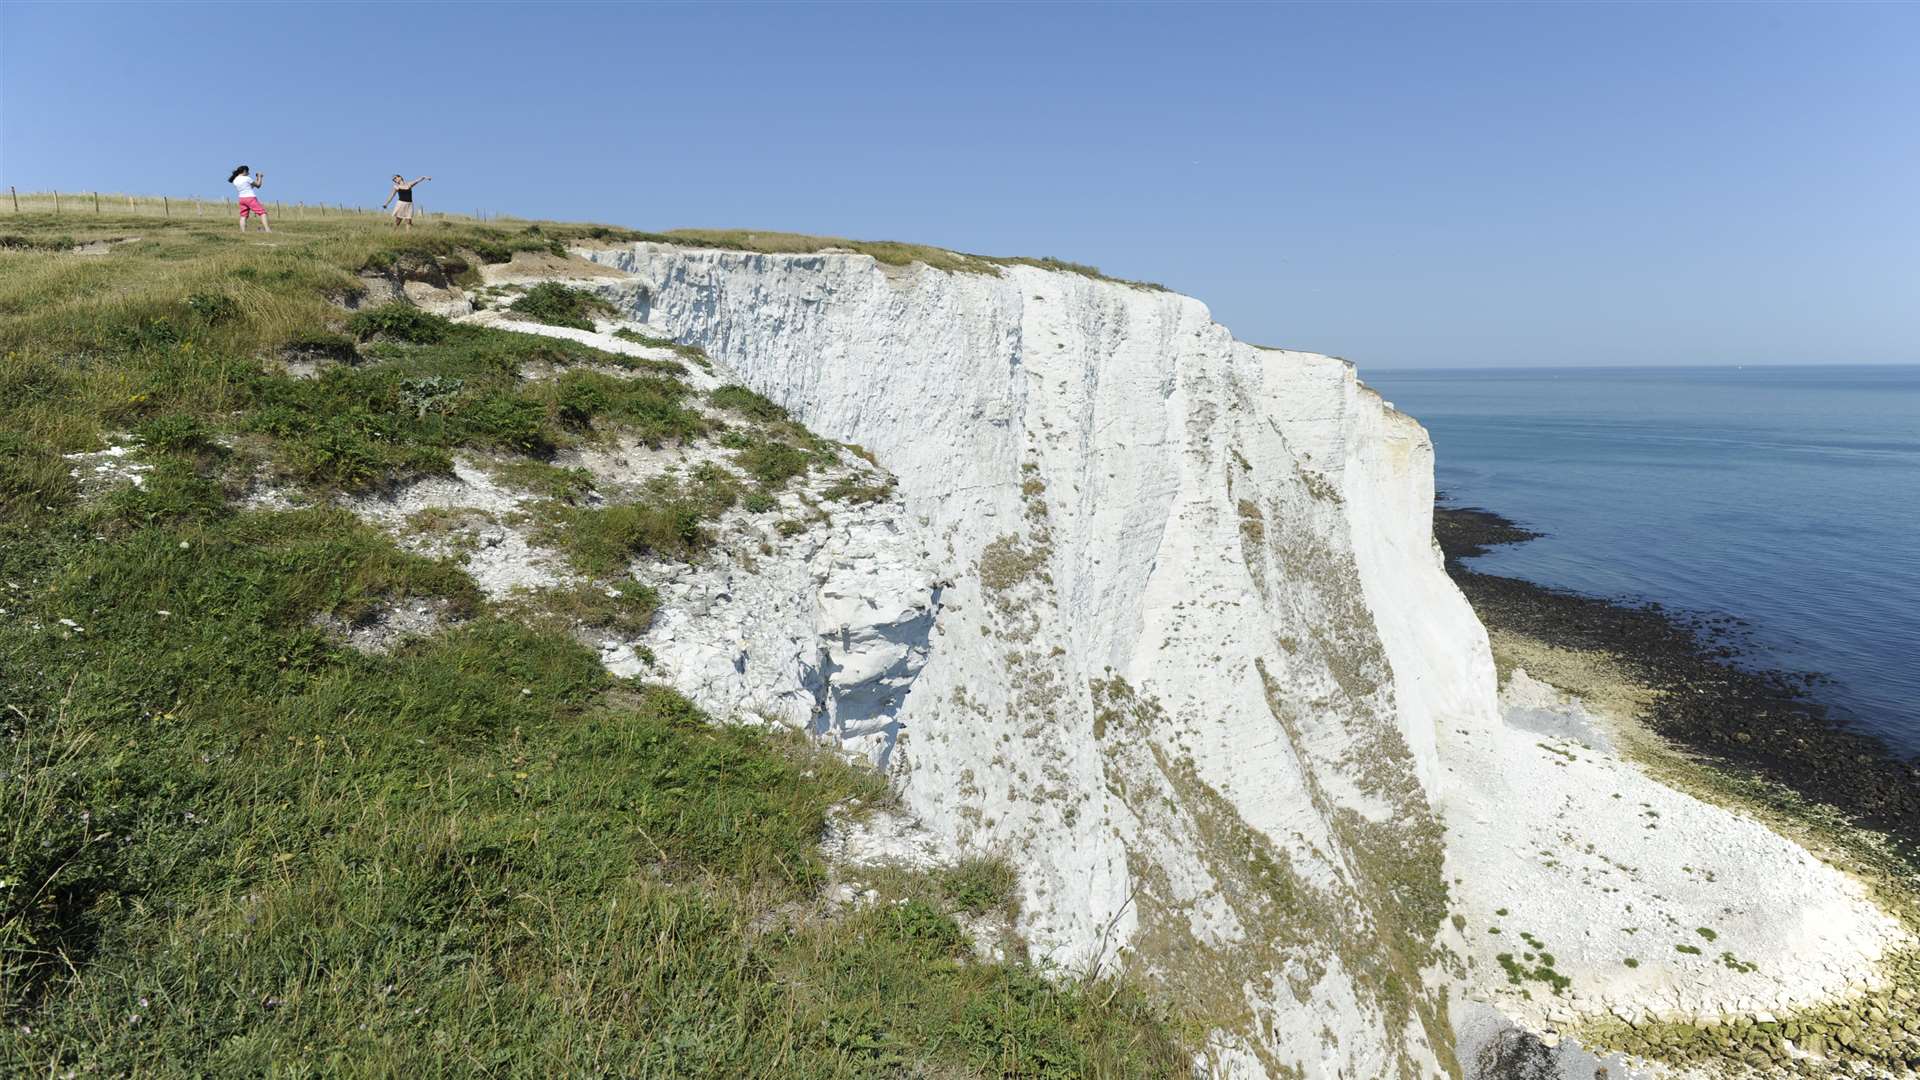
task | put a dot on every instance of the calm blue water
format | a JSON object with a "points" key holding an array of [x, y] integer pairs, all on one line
{"points": [[1786, 496]]}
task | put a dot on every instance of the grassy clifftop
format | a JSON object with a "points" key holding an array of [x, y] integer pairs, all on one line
{"points": [[231, 844]]}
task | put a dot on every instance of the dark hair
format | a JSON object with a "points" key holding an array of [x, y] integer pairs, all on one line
{"points": [[237, 170]]}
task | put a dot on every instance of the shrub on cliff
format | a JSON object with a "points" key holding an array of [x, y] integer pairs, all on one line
{"points": [[399, 322], [561, 305]]}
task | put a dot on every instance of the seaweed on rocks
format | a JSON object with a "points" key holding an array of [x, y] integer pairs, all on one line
{"points": [[1466, 531]]}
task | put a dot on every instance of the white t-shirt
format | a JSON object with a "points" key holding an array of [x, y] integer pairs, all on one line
{"points": [[244, 184]]}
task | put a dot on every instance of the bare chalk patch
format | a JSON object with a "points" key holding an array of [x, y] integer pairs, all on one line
{"points": [[1591, 890]]}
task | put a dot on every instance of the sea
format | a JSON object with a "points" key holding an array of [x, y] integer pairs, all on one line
{"points": [[1787, 497]]}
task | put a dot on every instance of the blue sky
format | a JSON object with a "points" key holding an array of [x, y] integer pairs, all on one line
{"points": [[1400, 184]]}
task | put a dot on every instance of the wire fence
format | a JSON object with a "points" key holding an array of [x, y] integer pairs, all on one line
{"points": [[81, 204]]}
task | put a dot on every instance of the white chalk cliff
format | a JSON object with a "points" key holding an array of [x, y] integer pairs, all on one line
{"points": [[1155, 614], [1142, 656]]}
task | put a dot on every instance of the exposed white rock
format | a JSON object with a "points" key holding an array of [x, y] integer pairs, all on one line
{"points": [[502, 559], [101, 470], [1567, 849], [1157, 680], [386, 628], [695, 376], [825, 630]]}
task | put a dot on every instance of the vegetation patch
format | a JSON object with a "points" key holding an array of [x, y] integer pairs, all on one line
{"points": [[602, 541], [320, 345], [746, 402], [694, 353], [851, 489], [378, 424], [16, 242], [772, 462], [1008, 561], [543, 479], [626, 608], [980, 885], [562, 305], [399, 322], [1519, 972]]}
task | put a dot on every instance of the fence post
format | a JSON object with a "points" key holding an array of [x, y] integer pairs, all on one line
{"points": [[56, 202], [16, 198], [96, 202], [166, 208]]}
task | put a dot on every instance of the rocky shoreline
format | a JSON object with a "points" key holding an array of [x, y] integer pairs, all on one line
{"points": [[1756, 741], [1763, 725]]}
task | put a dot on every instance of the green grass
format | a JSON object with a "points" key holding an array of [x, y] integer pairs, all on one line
{"points": [[230, 845], [772, 462], [771, 448], [568, 485], [561, 305], [446, 388], [399, 322], [602, 540], [980, 885], [15, 242], [746, 402], [626, 608]]}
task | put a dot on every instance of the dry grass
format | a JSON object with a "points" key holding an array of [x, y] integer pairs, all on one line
{"points": [[119, 211]]}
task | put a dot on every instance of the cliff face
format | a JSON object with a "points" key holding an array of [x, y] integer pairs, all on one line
{"points": [[1160, 619]]}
